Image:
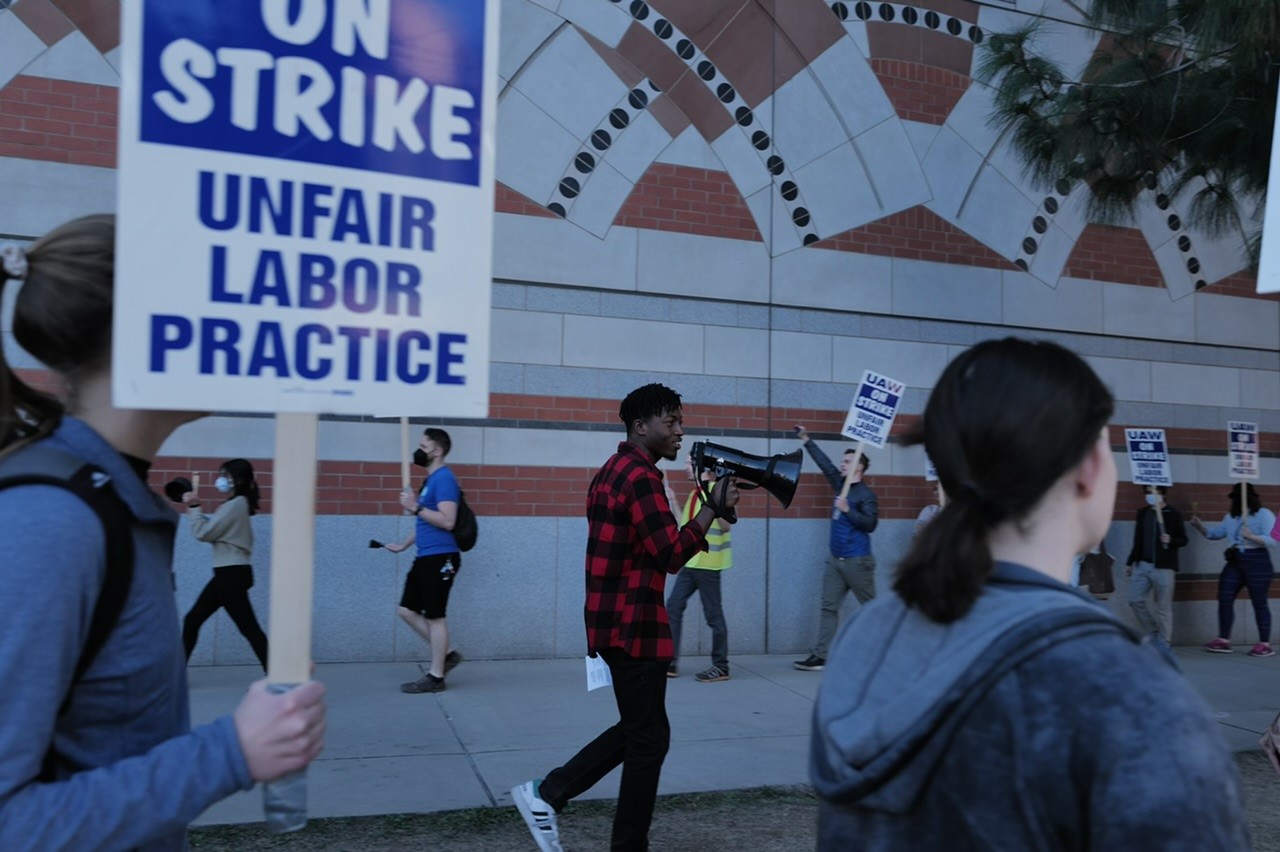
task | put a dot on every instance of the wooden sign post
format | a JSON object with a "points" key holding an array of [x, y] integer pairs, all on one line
{"points": [[293, 507], [405, 453]]}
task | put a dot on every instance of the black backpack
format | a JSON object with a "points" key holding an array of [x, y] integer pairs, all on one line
{"points": [[465, 528], [40, 465]]}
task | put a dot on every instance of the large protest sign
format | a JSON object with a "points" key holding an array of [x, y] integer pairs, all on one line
{"points": [[870, 417], [1242, 449], [1148, 457], [305, 226], [306, 194], [874, 406]]}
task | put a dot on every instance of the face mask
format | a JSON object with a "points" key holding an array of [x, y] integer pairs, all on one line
{"points": [[1152, 499], [222, 484], [420, 458]]}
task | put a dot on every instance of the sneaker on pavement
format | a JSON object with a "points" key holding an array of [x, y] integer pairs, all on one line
{"points": [[673, 670], [711, 675], [1218, 646], [538, 815], [811, 664], [1262, 649], [427, 683], [451, 661]]}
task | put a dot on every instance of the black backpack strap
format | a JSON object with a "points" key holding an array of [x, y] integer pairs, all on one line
{"points": [[40, 465]]}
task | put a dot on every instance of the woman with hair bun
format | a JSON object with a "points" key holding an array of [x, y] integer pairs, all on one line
{"points": [[103, 755], [986, 704], [231, 534]]}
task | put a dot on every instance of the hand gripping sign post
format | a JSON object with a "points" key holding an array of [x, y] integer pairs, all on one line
{"points": [[870, 417], [1242, 449], [305, 227], [1149, 461]]}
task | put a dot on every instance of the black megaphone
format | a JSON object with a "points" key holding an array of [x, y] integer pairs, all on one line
{"points": [[177, 487], [779, 475]]}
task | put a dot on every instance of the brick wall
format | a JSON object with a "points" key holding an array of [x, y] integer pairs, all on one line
{"points": [[507, 200], [369, 488], [1106, 253], [920, 92], [690, 201], [58, 121], [917, 234]]}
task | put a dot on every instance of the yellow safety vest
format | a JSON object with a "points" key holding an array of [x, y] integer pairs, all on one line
{"points": [[718, 556]]}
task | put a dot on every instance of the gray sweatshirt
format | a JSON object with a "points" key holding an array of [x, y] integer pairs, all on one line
{"points": [[228, 530], [1036, 722], [131, 773]]}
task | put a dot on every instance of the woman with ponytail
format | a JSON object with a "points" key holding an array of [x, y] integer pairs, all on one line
{"points": [[96, 749], [986, 704]]}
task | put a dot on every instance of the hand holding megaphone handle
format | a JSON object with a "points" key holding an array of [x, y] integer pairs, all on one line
{"points": [[727, 513]]}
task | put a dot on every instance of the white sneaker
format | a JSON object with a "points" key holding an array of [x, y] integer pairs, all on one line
{"points": [[538, 815]]}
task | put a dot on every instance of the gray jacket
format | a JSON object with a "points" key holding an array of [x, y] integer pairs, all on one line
{"points": [[1036, 722], [131, 773]]}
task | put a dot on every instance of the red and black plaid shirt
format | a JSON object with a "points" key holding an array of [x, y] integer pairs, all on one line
{"points": [[633, 542]]}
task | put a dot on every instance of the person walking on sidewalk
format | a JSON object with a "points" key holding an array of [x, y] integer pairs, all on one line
{"points": [[230, 532], [701, 574], [1248, 565], [425, 599], [850, 565], [1153, 564], [633, 542]]}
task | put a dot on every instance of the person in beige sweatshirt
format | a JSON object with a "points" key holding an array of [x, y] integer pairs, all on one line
{"points": [[231, 534]]}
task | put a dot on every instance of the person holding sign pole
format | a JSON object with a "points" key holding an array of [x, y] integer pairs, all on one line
{"points": [[1158, 535], [231, 535], [96, 749], [983, 703], [1248, 565], [851, 567], [633, 542], [432, 577]]}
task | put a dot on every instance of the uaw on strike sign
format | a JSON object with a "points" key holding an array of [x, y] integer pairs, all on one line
{"points": [[1148, 457], [306, 196], [874, 406]]}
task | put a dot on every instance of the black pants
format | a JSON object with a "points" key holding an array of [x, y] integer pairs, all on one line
{"points": [[229, 590], [638, 743]]}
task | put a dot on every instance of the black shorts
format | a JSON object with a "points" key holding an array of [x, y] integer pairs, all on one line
{"points": [[426, 589]]}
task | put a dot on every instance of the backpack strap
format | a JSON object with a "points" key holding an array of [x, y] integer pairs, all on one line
{"points": [[41, 465]]}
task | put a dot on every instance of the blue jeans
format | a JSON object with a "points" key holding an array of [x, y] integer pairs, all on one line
{"points": [[1252, 569], [707, 585]]}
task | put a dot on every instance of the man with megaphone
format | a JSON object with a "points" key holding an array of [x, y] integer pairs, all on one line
{"points": [[633, 542]]}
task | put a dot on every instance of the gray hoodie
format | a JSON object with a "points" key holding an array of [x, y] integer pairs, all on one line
{"points": [[1036, 722]]}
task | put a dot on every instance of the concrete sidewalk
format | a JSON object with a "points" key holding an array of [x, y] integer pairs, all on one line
{"points": [[502, 722]]}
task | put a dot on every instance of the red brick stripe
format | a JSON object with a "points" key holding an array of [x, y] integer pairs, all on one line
{"points": [[58, 121]]}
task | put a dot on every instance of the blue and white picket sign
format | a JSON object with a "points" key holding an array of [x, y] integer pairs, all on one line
{"points": [[306, 205], [873, 409], [1148, 457], [1242, 449]]}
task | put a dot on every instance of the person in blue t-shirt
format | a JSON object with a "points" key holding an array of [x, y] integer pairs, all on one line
{"points": [[851, 567], [426, 588]]}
